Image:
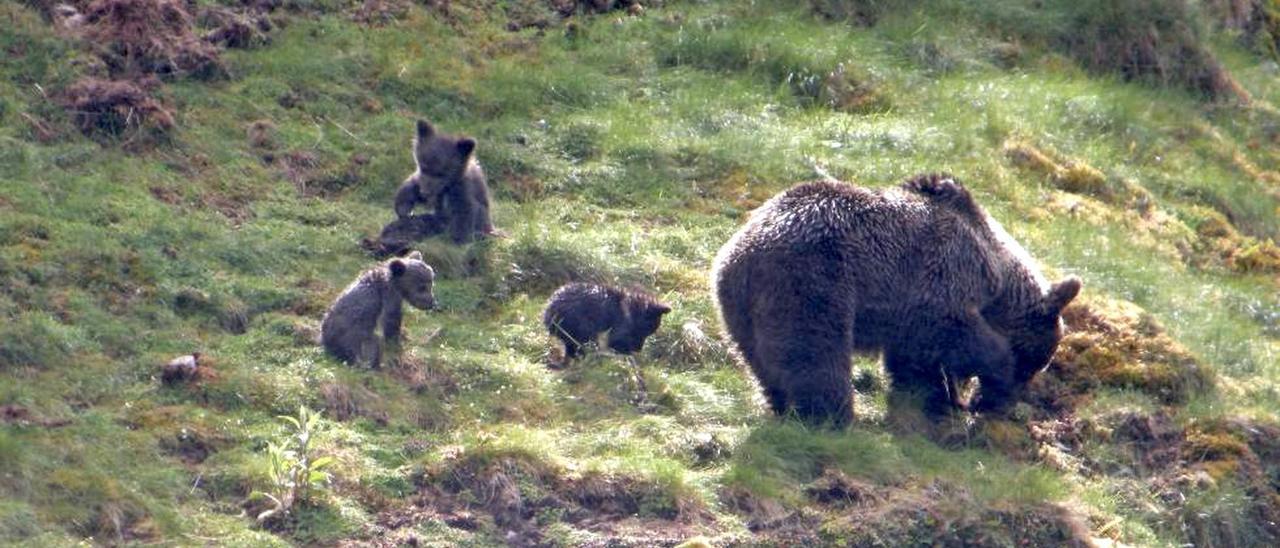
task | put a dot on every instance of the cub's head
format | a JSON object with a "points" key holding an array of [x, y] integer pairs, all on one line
{"points": [[414, 280], [441, 158], [643, 315], [1035, 339]]}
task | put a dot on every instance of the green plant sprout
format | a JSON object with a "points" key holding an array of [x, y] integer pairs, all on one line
{"points": [[293, 470]]}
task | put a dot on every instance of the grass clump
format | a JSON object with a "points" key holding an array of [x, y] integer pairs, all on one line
{"points": [[1069, 175], [1114, 344], [1156, 40], [119, 109], [1260, 257]]}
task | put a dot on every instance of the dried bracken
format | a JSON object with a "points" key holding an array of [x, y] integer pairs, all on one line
{"points": [[137, 38], [119, 108], [235, 28]]}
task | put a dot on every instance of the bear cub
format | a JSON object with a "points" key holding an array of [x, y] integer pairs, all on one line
{"points": [[376, 296], [448, 178], [578, 312]]}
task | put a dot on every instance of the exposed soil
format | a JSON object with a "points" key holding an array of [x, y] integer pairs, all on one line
{"points": [[519, 495], [854, 513]]}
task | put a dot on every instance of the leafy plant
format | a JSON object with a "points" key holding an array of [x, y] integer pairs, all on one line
{"points": [[293, 470]]}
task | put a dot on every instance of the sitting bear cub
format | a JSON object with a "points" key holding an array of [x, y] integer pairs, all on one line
{"points": [[375, 297], [578, 312], [448, 178], [919, 272]]}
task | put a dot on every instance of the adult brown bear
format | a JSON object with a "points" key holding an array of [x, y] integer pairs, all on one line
{"points": [[919, 272]]}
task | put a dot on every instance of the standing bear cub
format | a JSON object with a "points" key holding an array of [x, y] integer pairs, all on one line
{"points": [[375, 297], [578, 312], [448, 178], [920, 272]]}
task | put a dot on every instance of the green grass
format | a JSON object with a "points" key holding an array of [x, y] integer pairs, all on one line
{"points": [[626, 151]]}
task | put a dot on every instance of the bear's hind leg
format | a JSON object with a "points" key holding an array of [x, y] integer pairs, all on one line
{"points": [[810, 374], [825, 397], [345, 345]]}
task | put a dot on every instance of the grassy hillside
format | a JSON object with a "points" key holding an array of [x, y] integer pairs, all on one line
{"points": [[216, 203]]}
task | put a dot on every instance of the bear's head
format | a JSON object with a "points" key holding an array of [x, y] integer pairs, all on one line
{"points": [[414, 280], [642, 315], [1035, 338], [441, 158]]}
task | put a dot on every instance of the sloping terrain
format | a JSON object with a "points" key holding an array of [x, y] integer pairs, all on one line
{"points": [[196, 176]]}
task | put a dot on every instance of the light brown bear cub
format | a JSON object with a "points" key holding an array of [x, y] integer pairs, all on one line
{"points": [[375, 297]]}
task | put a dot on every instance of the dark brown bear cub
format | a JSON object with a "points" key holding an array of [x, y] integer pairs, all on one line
{"points": [[919, 272], [578, 312], [376, 297], [448, 178]]}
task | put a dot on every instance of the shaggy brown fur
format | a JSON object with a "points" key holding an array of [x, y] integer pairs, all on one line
{"points": [[919, 272], [578, 312], [376, 297], [449, 178]]}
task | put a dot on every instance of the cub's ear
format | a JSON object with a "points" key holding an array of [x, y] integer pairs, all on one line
{"points": [[425, 129], [466, 147], [397, 268], [414, 255], [661, 309], [1061, 294]]}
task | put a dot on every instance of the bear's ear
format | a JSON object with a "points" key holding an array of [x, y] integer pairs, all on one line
{"points": [[397, 268], [1061, 294], [425, 129], [414, 255], [466, 147]]}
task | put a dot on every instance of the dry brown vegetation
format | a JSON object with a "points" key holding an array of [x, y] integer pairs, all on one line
{"points": [[134, 44], [1116, 344], [119, 108]]}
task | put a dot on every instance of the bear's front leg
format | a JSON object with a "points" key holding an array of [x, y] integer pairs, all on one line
{"points": [[392, 316], [995, 395], [407, 197], [460, 213], [919, 376], [979, 351]]}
